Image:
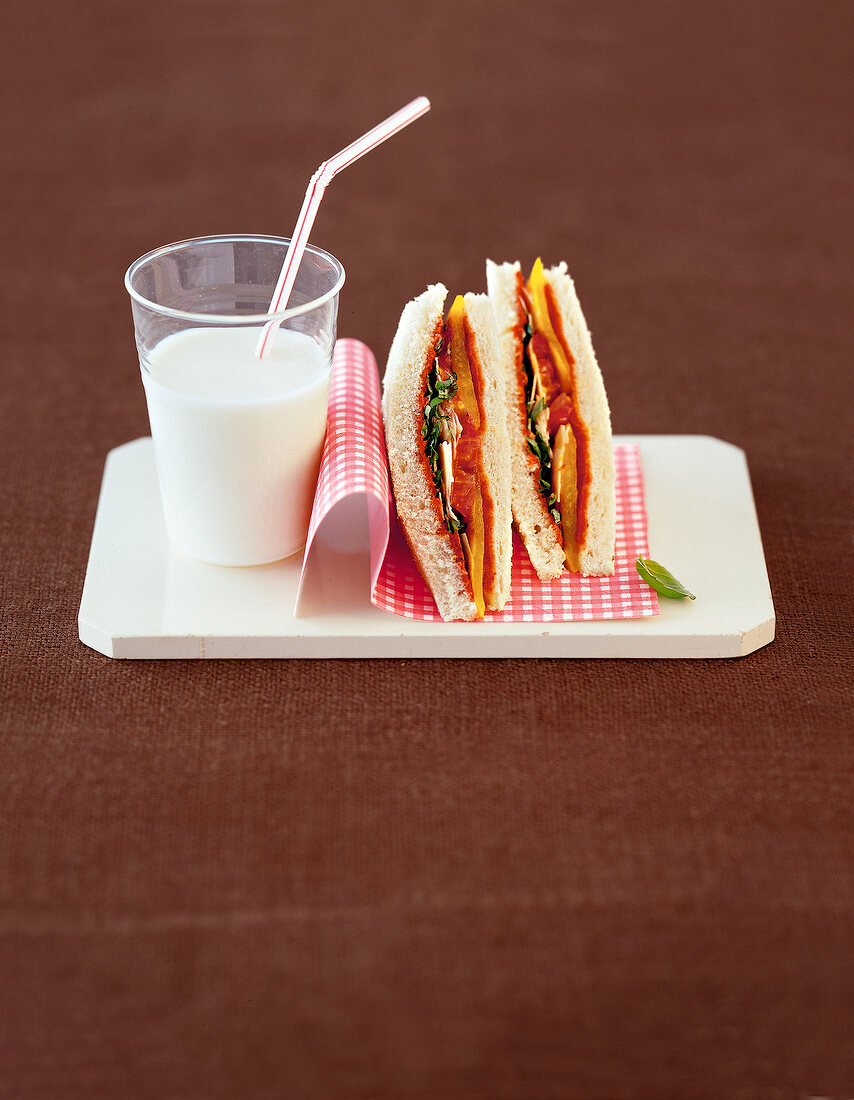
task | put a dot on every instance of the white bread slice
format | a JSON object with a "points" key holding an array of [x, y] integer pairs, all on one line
{"points": [[438, 560], [437, 555], [538, 530], [596, 553]]}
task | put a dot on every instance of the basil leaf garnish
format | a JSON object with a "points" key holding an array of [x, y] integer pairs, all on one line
{"points": [[662, 580]]}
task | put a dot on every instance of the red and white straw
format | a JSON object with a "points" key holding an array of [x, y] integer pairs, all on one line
{"points": [[314, 193]]}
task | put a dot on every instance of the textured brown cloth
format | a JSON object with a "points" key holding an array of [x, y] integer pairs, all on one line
{"points": [[432, 879]]}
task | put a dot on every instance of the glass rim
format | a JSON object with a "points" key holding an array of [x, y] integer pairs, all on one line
{"points": [[232, 318]]}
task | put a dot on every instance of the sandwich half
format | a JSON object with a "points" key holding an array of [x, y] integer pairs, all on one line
{"points": [[559, 423], [446, 436]]}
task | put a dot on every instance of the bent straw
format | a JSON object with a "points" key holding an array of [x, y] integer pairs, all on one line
{"points": [[314, 193]]}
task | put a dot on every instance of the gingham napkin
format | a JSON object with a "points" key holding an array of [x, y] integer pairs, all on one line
{"points": [[354, 461]]}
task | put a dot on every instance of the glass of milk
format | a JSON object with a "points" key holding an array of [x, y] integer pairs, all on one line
{"points": [[237, 439]]}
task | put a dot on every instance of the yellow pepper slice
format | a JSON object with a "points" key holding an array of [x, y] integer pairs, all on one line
{"points": [[473, 542], [543, 324], [460, 360], [565, 486]]}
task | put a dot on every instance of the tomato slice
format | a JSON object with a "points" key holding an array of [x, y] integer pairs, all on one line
{"points": [[560, 412]]}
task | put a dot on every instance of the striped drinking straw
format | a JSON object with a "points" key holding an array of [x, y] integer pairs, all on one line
{"points": [[314, 193]]}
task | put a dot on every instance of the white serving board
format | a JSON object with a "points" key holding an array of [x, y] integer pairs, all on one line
{"points": [[144, 599]]}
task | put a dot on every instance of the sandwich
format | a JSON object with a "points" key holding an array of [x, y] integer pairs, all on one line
{"points": [[446, 436], [558, 420]]}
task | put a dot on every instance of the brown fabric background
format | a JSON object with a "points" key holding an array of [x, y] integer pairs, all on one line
{"points": [[402, 879]]}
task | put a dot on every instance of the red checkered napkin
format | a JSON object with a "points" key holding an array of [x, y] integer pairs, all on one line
{"points": [[570, 598], [354, 455], [354, 461]]}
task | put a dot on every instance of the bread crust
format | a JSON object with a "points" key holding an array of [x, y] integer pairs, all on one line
{"points": [[596, 552], [437, 552], [438, 560], [539, 532]]}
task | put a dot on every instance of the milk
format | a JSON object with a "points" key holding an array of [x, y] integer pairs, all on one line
{"points": [[237, 440]]}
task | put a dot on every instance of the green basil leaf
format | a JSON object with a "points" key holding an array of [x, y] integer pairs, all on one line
{"points": [[438, 392], [537, 409], [662, 580], [538, 446]]}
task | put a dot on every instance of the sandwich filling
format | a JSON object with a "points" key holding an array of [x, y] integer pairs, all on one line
{"points": [[452, 430], [558, 440]]}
